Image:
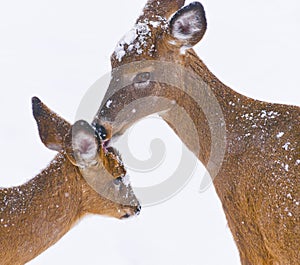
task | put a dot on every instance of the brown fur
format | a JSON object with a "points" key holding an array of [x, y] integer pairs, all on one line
{"points": [[34, 216], [259, 180]]}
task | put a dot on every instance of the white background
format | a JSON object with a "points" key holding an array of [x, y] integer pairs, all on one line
{"points": [[57, 49]]}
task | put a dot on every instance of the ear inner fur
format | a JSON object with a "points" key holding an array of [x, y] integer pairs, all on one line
{"points": [[192, 26]]}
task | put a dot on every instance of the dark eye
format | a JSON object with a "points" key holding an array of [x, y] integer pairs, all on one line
{"points": [[117, 181], [101, 131], [142, 77]]}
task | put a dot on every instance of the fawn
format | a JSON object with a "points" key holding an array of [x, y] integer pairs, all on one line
{"points": [[258, 178], [87, 176]]}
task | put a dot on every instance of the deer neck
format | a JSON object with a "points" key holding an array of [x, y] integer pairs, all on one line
{"points": [[209, 106], [37, 214]]}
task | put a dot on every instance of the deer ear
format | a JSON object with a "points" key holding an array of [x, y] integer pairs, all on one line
{"points": [[82, 144], [188, 25], [52, 128]]}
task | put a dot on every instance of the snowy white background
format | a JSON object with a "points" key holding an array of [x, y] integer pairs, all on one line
{"points": [[57, 49]]}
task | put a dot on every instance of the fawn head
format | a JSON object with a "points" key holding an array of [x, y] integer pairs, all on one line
{"points": [[160, 39], [104, 184]]}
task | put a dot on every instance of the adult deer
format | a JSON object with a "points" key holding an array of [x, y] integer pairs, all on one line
{"points": [[86, 177], [258, 179]]}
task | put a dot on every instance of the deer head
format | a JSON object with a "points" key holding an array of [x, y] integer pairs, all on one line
{"points": [[104, 181], [152, 71], [156, 47]]}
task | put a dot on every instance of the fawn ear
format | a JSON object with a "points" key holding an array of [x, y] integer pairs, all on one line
{"points": [[52, 128], [188, 25], [82, 144]]}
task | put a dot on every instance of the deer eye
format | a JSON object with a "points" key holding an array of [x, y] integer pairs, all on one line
{"points": [[101, 131], [142, 77]]}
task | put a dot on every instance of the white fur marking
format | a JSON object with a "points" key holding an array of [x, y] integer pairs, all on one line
{"points": [[85, 145], [189, 20]]}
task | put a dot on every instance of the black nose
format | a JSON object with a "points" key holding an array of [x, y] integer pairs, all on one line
{"points": [[138, 210], [127, 215], [102, 132]]}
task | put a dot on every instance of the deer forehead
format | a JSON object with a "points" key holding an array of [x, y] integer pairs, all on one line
{"points": [[139, 40]]}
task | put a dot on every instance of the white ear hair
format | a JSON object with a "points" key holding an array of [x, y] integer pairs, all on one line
{"points": [[84, 143], [188, 25]]}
